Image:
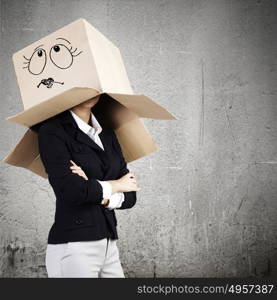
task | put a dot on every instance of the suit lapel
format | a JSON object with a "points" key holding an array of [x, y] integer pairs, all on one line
{"points": [[72, 129], [81, 137]]}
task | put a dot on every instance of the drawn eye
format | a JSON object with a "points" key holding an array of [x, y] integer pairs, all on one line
{"points": [[36, 63], [61, 56]]}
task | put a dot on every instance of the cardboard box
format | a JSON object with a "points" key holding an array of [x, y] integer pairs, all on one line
{"points": [[68, 67]]}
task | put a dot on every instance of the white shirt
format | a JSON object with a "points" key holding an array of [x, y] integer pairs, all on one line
{"points": [[116, 199]]}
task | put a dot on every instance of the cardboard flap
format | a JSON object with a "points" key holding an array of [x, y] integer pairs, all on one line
{"points": [[26, 152], [140, 146], [139, 104], [54, 106], [143, 106], [37, 167]]}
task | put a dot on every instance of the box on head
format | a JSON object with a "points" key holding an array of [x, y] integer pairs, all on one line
{"points": [[68, 67]]}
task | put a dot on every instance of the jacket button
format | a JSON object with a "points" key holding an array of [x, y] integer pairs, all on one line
{"points": [[78, 221]]}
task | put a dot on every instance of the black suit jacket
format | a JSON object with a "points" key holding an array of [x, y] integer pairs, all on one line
{"points": [[79, 214]]}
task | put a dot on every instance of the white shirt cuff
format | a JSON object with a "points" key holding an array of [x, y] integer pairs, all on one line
{"points": [[107, 189], [116, 200]]}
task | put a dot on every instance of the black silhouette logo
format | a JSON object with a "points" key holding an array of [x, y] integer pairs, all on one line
{"points": [[61, 55]]}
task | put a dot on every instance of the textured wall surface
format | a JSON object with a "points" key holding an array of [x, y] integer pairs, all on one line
{"points": [[208, 205]]}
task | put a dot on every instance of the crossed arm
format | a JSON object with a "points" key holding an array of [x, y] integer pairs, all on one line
{"points": [[69, 187], [111, 199]]}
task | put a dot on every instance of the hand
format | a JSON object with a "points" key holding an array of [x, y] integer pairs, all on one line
{"points": [[78, 170], [105, 202], [127, 183]]}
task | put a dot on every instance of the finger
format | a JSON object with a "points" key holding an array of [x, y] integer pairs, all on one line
{"points": [[77, 172], [73, 162], [75, 167], [84, 176], [135, 189], [133, 185]]}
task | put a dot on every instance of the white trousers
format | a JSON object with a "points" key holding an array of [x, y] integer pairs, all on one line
{"points": [[84, 259]]}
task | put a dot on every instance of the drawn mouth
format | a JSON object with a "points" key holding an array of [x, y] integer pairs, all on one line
{"points": [[48, 82]]}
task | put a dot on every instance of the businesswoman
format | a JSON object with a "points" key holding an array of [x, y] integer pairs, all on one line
{"points": [[90, 179]]}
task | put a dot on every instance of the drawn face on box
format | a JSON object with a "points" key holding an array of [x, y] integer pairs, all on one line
{"points": [[56, 63], [62, 55]]}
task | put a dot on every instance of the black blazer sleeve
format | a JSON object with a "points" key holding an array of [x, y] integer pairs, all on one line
{"points": [[130, 198], [70, 188]]}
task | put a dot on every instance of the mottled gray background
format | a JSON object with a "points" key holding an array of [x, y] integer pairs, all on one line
{"points": [[208, 206]]}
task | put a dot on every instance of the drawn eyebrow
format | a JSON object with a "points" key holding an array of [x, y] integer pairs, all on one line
{"points": [[38, 47], [64, 40]]}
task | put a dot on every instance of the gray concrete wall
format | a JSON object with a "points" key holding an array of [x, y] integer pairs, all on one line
{"points": [[208, 205]]}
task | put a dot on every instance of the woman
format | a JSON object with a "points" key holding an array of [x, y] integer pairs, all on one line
{"points": [[90, 179]]}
